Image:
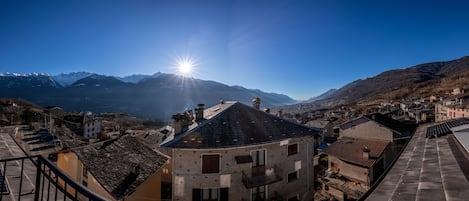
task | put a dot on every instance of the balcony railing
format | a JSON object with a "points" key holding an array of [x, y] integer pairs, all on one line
{"points": [[268, 176], [36, 178]]}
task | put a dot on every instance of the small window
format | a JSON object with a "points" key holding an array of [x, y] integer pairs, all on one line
{"points": [[210, 163], [85, 177], [258, 193], [292, 176], [292, 149], [295, 198], [212, 194]]}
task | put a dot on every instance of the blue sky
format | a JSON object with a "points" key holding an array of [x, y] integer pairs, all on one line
{"points": [[298, 48]]}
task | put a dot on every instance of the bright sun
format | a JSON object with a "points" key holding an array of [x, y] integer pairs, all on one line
{"points": [[185, 65]]}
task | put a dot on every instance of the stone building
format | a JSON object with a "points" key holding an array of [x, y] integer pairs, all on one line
{"points": [[359, 162], [119, 169], [235, 152], [377, 127]]}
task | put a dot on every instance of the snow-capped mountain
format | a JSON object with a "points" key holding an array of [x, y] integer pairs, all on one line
{"points": [[66, 79], [8, 74], [137, 77], [157, 96], [35, 80]]}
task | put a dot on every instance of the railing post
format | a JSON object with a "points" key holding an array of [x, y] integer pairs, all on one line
{"points": [[38, 179]]}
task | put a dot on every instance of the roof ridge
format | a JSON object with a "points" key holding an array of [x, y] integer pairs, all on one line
{"points": [[202, 123]]}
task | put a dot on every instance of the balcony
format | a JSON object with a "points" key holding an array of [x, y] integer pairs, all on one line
{"points": [[261, 176], [36, 178]]}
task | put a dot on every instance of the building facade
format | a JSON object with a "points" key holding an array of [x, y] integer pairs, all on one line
{"points": [[235, 152], [91, 129], [121, 169]]}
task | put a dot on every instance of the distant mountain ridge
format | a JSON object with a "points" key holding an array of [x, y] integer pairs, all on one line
{"points": [[422, 79], [324, 95], [155, 96]]}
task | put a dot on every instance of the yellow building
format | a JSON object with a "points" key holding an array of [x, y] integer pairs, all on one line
{"points": [[120, 169]]}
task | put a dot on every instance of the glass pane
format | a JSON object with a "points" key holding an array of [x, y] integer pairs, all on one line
{"points": [[214, 194], [254, 158], [205, 194], [262, 157]]}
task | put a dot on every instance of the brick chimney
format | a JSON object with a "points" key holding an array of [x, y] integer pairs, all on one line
{"points": [[199, 112], [177, 123], [256, 103], [181, 122]]}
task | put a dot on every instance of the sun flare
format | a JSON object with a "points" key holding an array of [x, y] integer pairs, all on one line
{"points": [[185, 65]]}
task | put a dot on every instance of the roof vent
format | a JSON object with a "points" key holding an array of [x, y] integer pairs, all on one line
{"points": [[366, 152], [136, 170]]}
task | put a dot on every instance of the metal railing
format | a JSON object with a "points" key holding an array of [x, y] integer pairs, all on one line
{"points": [[36, 178], [262, 178]]}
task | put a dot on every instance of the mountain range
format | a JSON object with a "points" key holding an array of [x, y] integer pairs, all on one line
{"points": [[423, 80], [161, 95], [153, 96]]}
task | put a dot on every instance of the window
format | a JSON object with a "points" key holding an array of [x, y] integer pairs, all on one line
{"points": [[211, 163], [292, 149], [292, 176], [210, 194], [258, 158], [295, 198], [85, 177], [258, 193]]}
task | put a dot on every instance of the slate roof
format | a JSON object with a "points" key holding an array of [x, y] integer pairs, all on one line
{"points": [[351, 150], [445, 127], [232, 124], [318, 123], [114, 162], [380, 119]]}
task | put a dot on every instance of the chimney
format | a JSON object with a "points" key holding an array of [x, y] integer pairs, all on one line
{"points": [[280, 113], [256, 103], [199, 112], [177, 124], [366, 152]]}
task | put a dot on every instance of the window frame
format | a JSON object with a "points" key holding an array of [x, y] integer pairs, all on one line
{"points": [[265, 192], [297, 149], [221, 194], [202, 163], [255, 159], [297, 176]]}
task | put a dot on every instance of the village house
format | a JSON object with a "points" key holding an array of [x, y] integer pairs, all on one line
{"points": [[452, 109], [235, 152], [119, 169], [377, 127], [355, 165], [55, 111], [91, 128], [324, 126], [457, 111]]}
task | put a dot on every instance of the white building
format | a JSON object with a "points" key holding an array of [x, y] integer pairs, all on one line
{"points": [[91, 129]]}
